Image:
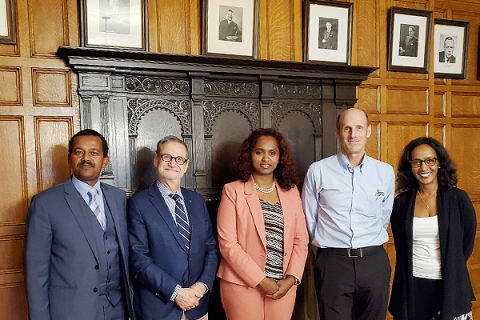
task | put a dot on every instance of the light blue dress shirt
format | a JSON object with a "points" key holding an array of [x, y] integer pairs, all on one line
{"points": [[169, 200], [348, 207]]}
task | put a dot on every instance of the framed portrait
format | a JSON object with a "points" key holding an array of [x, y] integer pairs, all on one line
{"points": [[409, 40], [450, 40], [114, 23], [230, 27], [8, 33], [328, 31]]}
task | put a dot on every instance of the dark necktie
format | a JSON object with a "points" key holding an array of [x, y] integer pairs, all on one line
{"points": [[182, 221]]}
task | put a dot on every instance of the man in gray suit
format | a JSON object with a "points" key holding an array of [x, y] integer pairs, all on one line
{"points": [[76, 250]]}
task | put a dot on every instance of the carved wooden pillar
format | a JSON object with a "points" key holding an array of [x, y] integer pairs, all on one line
{"points": [[86, 109], [266, 100], [198, 96]]}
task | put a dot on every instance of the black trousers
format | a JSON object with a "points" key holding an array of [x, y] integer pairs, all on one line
{"points": [[427, 297], [352, 287]]}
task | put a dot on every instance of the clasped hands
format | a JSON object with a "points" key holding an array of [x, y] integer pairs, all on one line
{"points": [[188, 298], [276, 289]]}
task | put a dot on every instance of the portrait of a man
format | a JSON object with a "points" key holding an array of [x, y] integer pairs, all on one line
{"points": [[229, 29], [327, 34], [447, 55], [408, 40], [115, 16]]}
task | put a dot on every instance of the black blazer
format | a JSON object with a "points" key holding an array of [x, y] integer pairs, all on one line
{"points": [[457, 228]]}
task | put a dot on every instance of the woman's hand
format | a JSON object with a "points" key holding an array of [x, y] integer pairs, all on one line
{"points": [[269, 286], [283, 287]]}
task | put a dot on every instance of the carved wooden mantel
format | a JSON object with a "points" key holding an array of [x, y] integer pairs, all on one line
{"points": [[119, 90]]}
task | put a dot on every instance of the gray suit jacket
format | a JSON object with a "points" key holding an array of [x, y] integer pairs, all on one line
{"points": [[62, 257]]}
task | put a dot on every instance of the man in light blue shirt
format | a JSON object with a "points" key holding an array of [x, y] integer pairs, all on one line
{"points": [[348, 200]]}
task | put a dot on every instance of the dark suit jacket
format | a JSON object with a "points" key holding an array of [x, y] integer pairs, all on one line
{"points": [[441, 57], [229, 29], [61, 254], [457, 228], [159, 260]]}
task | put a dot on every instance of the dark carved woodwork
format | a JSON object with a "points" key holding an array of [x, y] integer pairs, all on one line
{"points": [[136, 98]]}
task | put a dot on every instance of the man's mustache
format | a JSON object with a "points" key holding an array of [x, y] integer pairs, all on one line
{"points": [[86, 162]]}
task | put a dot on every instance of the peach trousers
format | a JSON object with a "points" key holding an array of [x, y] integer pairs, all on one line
{"points": [[245, 303]]}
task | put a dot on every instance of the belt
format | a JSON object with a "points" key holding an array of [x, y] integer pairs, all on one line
{"points": [[353, 253]]}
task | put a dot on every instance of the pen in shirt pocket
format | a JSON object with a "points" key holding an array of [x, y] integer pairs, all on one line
{"points": [[379, 194]]}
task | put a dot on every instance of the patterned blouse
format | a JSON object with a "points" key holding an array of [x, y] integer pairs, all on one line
{"points": [[273, 217]]}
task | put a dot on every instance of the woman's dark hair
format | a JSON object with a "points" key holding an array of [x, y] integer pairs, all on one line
{"points": [[447, 173], [286, 171]]}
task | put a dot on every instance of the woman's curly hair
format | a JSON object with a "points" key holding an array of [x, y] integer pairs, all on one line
{"points": [[447, 173], [286, 171]]}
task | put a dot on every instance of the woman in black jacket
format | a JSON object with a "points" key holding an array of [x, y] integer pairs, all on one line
{"points": [[433, 225]]}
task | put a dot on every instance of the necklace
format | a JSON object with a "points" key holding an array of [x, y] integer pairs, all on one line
{"points": [[421, 197], [265, 190]]}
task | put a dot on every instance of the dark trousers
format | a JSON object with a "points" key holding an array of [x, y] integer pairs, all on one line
{"points": [[428, 297], [352, 288]]}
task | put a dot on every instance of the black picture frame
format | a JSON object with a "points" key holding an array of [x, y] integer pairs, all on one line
{"points": [[119, 24], [409, 40], [478, 56], [450, 48], [327, 31], [8, 28], [230, 28]]}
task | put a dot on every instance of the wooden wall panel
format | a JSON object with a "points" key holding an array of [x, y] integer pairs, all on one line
{"points": [[439, 132], [11, 251], [48, 24], [13, 301], [10, 86], [467, 104], [372, 148], [13, 198], [473, 18], [366, 30], [439, 103], [465, 145], [51, 87], [52, 136], [280, 36], [398, 135], [407, 100], [174, 26], [369, 98]]}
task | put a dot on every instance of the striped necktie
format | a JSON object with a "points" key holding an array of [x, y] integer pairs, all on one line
{"points": [[95, 208], [182, 221]]}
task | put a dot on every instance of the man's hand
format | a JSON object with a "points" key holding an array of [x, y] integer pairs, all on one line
{"points": [[187, 298], [268, 285], [283, 287], [199, 287]]}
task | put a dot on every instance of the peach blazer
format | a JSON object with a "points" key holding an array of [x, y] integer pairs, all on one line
{"points": [[241, 234]]}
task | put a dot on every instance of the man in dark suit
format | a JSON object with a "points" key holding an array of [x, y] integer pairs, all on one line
{"points": [[329, 38], [228, 30], [76, 250], [173, 250], [410, 46], [447, 54]]}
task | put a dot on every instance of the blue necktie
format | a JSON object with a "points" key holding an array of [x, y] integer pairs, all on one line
{"points": [[95, 208], [182, 221]]}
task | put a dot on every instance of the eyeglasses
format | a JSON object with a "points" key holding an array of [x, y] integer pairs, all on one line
{"points": [[429, 162], [167, 158]]}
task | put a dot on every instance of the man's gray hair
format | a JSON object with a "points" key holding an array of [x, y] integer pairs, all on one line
{"points": [[170, 139]]}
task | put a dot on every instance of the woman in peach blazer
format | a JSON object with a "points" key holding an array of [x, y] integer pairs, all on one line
{"points": [[261, 232]]}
